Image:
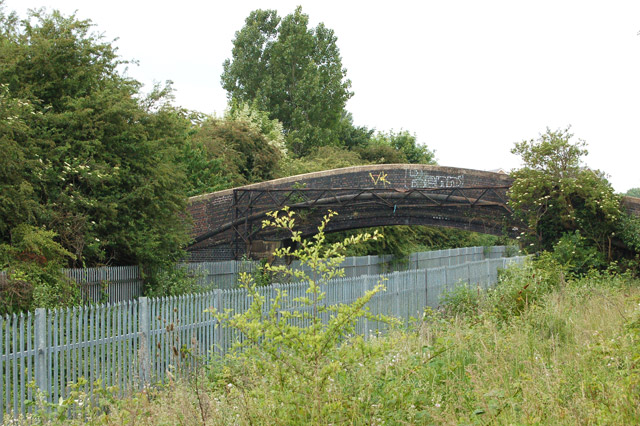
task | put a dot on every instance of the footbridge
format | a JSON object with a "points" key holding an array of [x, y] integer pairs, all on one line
{"points": [[227, 224]]}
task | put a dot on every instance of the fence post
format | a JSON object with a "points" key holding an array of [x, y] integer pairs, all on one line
{"points": [[488, 282], [42, 370], [365, 322], [426, 287], [217, 336], [396, 280], [144, 336]]}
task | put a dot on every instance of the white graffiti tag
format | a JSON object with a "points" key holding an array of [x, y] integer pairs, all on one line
{"points": [[421, 179]]}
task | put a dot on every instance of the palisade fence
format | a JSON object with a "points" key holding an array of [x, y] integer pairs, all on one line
{"points": [[121, 283], [108, 284], [140, 342]]}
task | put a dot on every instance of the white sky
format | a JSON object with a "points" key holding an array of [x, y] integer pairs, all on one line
{"points": [[468, 77]]}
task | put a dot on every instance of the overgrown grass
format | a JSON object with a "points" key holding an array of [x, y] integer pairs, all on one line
{"points": [[568, 352]]}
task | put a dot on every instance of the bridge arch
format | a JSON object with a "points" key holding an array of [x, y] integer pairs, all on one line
{"points": [[227, 223]]}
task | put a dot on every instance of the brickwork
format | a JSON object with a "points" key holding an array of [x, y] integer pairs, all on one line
{"points": [[215, 253], [631, 205]]}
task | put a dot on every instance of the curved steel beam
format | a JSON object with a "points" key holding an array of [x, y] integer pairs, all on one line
{"points": [[368, 197]]}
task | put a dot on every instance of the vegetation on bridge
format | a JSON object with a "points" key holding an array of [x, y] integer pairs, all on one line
{"points": [[569, 208]]}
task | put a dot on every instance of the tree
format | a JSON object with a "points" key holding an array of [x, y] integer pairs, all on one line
{"points": [[259, 121], [351, 136], [85, 155], [633, 192], [554, 193], [322, 158], [17, 203], [246, 154], [391, 147], [293, 72], [204, 172]]}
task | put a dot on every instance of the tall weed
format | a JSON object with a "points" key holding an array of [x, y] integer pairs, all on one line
{"points": [[292, 346]]}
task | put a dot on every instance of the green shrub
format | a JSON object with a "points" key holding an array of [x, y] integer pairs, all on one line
{"points": [[262, 276], [576, 255], [34, 279], [519, 286], [171, 281], [463, 300]]}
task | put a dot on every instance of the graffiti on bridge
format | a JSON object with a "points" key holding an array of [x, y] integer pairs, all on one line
{"points": [[422, 179]]}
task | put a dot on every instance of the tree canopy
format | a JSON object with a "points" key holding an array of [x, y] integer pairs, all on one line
{"points": [[555, 193], [633, 192], [85, 154], [293, 72], [246, 154], [391, 147]]}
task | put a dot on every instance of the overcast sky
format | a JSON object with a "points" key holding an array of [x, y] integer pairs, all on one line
{"points": [[469, 78]]}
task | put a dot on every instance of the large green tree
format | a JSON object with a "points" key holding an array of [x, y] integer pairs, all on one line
{"points": [[556, 194], [84, 154], [292, 71]]}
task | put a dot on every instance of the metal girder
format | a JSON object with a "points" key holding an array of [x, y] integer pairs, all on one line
{"points": [[341, 197]]}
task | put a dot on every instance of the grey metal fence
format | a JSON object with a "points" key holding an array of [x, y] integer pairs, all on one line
{"points": [[130, 344], [108, 284], [222, 275], [120, 283]]}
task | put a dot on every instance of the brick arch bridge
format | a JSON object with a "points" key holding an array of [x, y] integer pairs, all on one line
{"points": [[227, 224]]}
